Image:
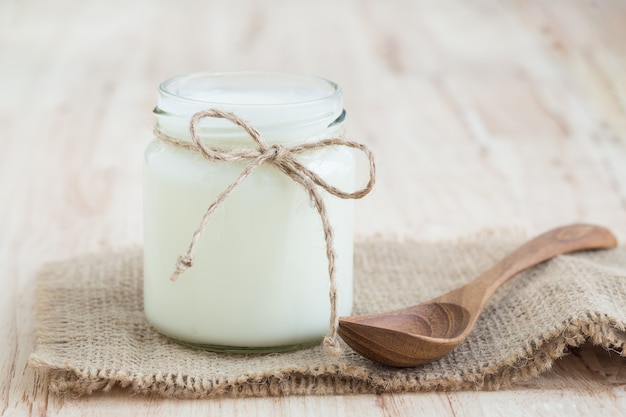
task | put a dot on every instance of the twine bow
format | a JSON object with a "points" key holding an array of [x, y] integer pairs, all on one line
{"points": [[283, 158]]}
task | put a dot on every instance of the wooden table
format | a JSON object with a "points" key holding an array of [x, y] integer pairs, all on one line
{"points": [[482, 114]]}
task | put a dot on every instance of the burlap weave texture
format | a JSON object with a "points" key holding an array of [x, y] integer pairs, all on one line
{"points": [[92, 334]]}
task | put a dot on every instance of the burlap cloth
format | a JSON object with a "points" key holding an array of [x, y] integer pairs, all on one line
{"points": [[92, 335]]}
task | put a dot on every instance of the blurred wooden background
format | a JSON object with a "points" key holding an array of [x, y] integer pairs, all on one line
{"points": [[482, 114]]}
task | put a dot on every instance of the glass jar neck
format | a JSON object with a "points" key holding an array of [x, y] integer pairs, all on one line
{"points": [[284, 108]]}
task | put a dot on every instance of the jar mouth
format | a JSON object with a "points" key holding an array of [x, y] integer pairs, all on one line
{"points": [[249, 89], [269, 101]]}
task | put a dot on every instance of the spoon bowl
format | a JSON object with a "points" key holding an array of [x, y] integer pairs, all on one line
{"points": [[426, 332], [406, 336]]}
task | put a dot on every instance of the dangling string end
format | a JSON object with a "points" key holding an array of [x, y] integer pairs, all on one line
{"points": [[183, 263], [331, 346]]}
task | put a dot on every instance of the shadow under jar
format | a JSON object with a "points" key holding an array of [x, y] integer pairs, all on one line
{"points": [[259, 281]]}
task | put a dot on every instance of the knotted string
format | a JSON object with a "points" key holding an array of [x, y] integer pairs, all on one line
{"points": [[283, 158]]}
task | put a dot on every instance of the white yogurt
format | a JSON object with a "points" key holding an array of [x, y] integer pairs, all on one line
{"points": [[259, 278]]}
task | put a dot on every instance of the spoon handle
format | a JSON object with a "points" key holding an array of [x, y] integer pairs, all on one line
{"points": [[555, 242]]}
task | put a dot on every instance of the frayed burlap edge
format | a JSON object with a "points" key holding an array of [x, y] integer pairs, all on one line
{"points": [[536, 357]]}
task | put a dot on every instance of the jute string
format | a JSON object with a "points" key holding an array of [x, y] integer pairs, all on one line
{"points": [[283, 158]]}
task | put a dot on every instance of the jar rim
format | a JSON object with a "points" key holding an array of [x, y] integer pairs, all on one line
{"points": [[167, 87], [277, 104]]}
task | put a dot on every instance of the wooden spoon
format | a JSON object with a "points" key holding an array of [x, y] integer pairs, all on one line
{"points": [[428, 331]]}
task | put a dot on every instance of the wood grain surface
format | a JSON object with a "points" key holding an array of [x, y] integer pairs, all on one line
{"points": [[482, 114]]}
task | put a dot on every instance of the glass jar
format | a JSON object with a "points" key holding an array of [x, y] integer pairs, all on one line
{"points": [[259, 280]]}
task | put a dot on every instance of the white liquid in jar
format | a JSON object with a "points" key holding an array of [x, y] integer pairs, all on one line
{"points": [[260, 273]]}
